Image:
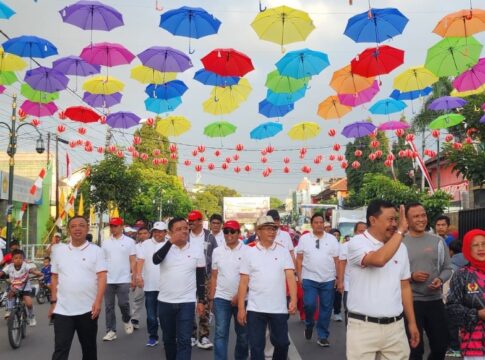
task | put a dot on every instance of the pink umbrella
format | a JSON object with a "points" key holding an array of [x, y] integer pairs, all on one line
{"points": [[107, 54], [38, 109], [360, 97], [393, 125], [471, 79]]}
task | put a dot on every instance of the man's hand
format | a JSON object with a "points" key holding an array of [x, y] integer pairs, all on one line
{"points": [[340, 286], [95, 310], [200, 308], [234, 300], [436, 284], [241, 317], [50, 312], [413, 335], [140, 283], [481, 314], [419, 276], [403, 223], [292, 307]]}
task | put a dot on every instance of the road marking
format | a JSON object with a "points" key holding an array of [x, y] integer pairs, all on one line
{"points": [[292, 351]]}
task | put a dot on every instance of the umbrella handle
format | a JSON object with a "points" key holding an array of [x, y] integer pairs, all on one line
{"points": [[158, 7], [261, 8]]}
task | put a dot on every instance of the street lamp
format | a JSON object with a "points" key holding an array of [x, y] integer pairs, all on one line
{"points": [[11, 150]]}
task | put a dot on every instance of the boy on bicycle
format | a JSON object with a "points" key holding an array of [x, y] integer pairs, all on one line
{"points": [[46, 271], [18, 272]]}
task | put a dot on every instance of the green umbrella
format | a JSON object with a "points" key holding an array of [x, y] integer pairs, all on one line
{"points": [[36, 95], [445, 121], [7, 77], [219, 129], [284, 84], [453, 55]]}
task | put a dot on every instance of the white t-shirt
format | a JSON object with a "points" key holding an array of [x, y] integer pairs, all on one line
{"points": [[227, 262], [117, 253], [198, 240], [375, 291], [221, 241], [318, 264], [344, 248], [77, 269], [177, 274], [267, 278], [18, 278], [284, 238], [151, 272]]}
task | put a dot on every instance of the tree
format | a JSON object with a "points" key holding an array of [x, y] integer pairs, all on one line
{"points": [[206, 203], [219, 192], [276, 203], [469, 161]]}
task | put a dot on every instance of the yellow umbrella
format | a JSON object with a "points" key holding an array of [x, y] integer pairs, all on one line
{"points": [[147, 75], [105, 85], [331, 108], [115, 213], [80, 207], [216, 106], [344, 81], [173, 126], [304, 131], [480, 90], [239, 92], [414, 78], [10, 62], [283, 25]]}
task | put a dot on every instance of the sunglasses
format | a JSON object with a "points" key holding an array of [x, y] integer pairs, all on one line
{"points": [[230, 231]]}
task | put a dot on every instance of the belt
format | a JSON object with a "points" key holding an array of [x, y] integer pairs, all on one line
{"points": [[383, 320]]}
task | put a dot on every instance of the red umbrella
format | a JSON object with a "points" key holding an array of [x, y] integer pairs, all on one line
{"points": [[227, 62], [377, 61], [82, 114]]}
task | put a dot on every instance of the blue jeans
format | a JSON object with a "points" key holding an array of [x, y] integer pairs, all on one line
{"points": [[325, 292], [223, 311], [278, 331], [176, 322], [151, 304]]}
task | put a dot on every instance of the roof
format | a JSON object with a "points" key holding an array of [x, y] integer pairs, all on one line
{"points": [[339, 185]]}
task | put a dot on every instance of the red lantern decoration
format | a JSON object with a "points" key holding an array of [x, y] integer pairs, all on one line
{"points": [[332, 132], [402, 153], [269, 149], [120, 154], [264, 152], [224, 166], [410, 137], [217, 153], [372, 156], [378, 154], [390, 157], [81, 131], [235, 157], [87, 143], [144, 156], [237, 169], [247, 168], [331, 157], [102, 120], [269, 169], [228, 160], [373, 134], [286, 169], [136, 140], [201, 159], [388, 163], [449, 138], [306, 169], [358, 153], [469, 140], [79, 142], [150, 121], [198, 168], [415, 154], [340, 157], [61, 128], [130, 148], [329, 168], [317, 160], [187, 162], [432, 154], [173, 156], [435, 133], [457, 146], [100, 149], [286, 160], [201, 148], [72, 144], [399, 132], [35, 122], [471, 131], [239, 147], [164, 161], [135, 154], [374, 144], [111, 148], [344, 165], [211, 166], [155, 162], [356, 165], [265, 173], [194, 152], [156, 152], [173, 148], [336, 147], [264, 159], [303, 151], [61, 115]]}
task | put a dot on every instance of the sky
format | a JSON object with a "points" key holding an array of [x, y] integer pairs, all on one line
{"points": [[141, 30]]}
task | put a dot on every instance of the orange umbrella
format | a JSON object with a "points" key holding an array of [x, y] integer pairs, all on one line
{"points": [[462, 23], [344, 81], [331, 108]]}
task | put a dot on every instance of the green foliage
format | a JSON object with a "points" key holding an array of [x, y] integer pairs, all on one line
{"points": [[276, 203], [219, 192], [435, 204], [468, 161], [206, 203], [402, 166]]}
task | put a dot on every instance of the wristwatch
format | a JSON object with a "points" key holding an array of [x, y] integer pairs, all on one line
{"points": [[400, 232]]}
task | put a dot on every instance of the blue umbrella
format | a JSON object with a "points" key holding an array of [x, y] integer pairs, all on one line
{"points": [[447, 103], [5, 11], [270, 110], [159, 106], [302, 63], [376, 25], [285, 98], [410, 95], [358, 129], [210, 78], [266, 130], [29, 46], [168, 90], [190, 22], [387, 106]]}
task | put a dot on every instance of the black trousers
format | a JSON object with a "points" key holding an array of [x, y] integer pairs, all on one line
{"points": [[431, 317], [64, 329]]}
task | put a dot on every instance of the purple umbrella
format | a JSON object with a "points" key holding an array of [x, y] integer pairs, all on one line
{"points": [[122, 120], [165, 59], [360, 97], [447, 103], [482, 120], [74, 65], [471, 79], [92, 15], [38, 109], [101, 100], [46, 79], [393, 125], [107, 54], [358, 129]]}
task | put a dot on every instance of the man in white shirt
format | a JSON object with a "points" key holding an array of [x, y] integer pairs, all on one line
{"points": [[265, 270], [120, 254], [316, 266], [215, 226], [148, 277], [379, 289], [78, 285], [224, 283], [282, 237]]}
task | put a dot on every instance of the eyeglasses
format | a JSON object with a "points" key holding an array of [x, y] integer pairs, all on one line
{"points": [[216, 223], [230, 231], [317, 243], [478, 245]]}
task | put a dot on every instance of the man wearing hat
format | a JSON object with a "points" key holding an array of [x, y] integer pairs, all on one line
{"points": [[282, 237], [265, 270], [56, 239], [202, 238], [120, 254]]}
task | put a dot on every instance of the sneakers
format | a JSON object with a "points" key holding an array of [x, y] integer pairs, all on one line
{"points": [[7, 315], [323, 342], [338, 317], [453, 353], [204, 343], [110, 336], [136, 324], [128, 327], [308, 333], [152, 342], [193, 341], [32, 321]]}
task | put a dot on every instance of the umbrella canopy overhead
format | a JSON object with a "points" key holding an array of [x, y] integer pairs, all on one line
{"points": [[160, 106], [447, 103], [304, 131], [284, 84], [471, 79], [302, 63], [446, 121], [75, 65], [5, 11], [173, 126], [29, 46], [8, 77], [38, 109], [212, 79], [165, 59], [361, 97], [414, 78], [189, 22], [10, 62], [219, 129], [122, 120], [285, 98], [92, 15], [377, 61], [461, 23], [101, 100], [410, 95], [227, 62], [393, 125], [168, 90], [271, 111], [216, 107], [82, 114], [46, 79], [146, 75], [105, 85], [455, 92], [107, 54], [331, 108], [237, 93], [387, 106], [345, 81], [266, 130], [36, 95], [358, 129]]}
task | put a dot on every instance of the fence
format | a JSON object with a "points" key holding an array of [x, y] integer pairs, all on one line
{"points": [[471, 219], [35, 252]]}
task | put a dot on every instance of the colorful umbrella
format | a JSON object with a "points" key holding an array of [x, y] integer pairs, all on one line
{"points": [[7, 77], [92, 15], [285, 98], [446, 121], [331, 108], [5, 11], [346, 82], [471, 79], [46, 79], [302, 63], [227, 62], [358, 129], [376, 25], [393, 125], [284, 84], [81, 114], [165, 59], [266, 130], [461, 23], [482, 120], [160, 106], [168, 90], [75, 65], [480, 90], [237, 93], [414, 78], [29, 46], [36, 95], [215, 107], [270, 110], [387, 106], [361, 97], [107, 54], [447, 103], [10, 62], [219, 129], [147, 75], [304, 131], [453, 55], [101, 100], [283, 25], [173, 126], [410, 95], [105, 85], [38, 109], [209, 78], [122, 120], [377, 61]]}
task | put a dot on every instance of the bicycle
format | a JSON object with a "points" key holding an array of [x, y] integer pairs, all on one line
{"points": [[3, 293], [18, 319], [43, 294]]}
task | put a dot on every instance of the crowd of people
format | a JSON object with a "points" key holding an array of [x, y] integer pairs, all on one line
{"points": [[396, 279]]}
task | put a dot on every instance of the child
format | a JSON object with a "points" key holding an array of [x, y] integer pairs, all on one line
{"points": [[18, 272], [46, 271]]}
